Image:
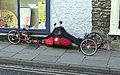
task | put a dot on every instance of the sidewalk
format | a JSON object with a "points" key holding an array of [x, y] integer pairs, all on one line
{"points": [[104, 61]]}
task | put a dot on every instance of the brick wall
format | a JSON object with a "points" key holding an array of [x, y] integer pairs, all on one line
{"points": [[101, 15], [75, 14]]}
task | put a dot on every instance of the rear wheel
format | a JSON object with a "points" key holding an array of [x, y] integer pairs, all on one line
{"points": [[13, 36], [88, 47], [96, 37]]}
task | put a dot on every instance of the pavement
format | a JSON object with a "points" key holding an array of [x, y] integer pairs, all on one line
{"points": [[104, 61]]}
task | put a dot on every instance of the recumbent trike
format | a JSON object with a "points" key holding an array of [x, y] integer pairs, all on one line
{"points": [[59, 37]]}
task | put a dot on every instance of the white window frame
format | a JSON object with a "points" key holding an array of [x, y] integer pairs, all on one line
{"points": [[114, 18]]}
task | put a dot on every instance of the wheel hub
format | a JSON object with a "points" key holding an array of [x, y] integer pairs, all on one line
{"points": [[88, 47]]}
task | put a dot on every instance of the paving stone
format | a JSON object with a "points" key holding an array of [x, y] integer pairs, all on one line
{"points": [[100, 55], [33, 46], [72, 51], [115, 53], [103, 52], [23, 44], [14, 48], [114, 62], [43, 58], [6, 54], [97, 63], [41, 48], [52, 52], [25, 56], [29, 51], [71, 58], [4, 44]]}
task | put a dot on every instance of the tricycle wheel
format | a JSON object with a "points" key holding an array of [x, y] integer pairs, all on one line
{"points": [[14, 36], [96, 37], [88, 47]]}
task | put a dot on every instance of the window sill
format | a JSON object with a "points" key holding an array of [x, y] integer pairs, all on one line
{"points": [[114, 33]]}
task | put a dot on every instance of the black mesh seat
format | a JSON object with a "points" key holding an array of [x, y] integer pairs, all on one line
{"points": [[61, 31]]}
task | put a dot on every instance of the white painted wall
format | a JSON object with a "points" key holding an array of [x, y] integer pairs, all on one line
{"points": [[75, 14]]}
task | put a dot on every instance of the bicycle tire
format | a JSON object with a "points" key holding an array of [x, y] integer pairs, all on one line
{"points": [[88, 47], [96, 37], [13, 36]]}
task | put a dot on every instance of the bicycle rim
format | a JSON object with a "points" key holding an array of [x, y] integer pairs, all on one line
{"points": [[14, 37], [88, 47]]}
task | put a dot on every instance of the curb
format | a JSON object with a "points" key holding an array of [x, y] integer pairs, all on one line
{"points": [[70, 68]]}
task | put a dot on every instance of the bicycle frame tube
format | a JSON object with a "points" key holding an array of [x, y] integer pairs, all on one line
{"points": [[102, 43]]}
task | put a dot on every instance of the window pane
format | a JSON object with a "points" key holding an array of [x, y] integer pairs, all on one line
{"points": [[33, 14], [119, 13], [8, 14], [119, 17]]}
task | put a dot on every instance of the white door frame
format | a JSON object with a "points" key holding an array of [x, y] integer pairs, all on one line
{"points": [[114, 18]]}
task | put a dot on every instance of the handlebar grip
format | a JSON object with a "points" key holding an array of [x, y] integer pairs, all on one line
{"points": [[55, 24], [60, 22]]}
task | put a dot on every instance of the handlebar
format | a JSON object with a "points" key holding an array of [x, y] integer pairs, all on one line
{"points": [[60, 22], [114, 38], [110, 41]]}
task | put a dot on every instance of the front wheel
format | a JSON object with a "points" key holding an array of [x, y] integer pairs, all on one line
{"points": [[13, 36], [88, 47]]}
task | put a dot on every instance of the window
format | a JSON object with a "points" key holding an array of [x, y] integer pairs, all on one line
{"points": [[115, 18], [8, 14], [31, 14], [119, 17]]}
